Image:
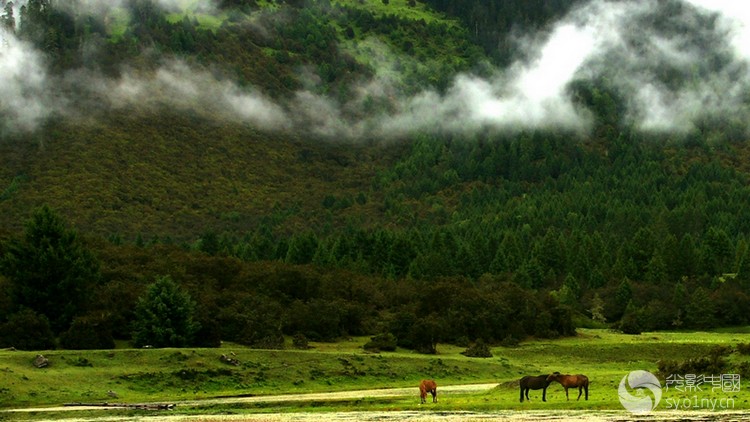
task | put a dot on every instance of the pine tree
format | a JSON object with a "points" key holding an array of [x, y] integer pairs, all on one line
{"points": [[164, 317], [8, 20], [50, 270], [597, 309]]}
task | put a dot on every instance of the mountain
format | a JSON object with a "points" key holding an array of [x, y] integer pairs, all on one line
{"points": [[209, 119], [587, 160]]}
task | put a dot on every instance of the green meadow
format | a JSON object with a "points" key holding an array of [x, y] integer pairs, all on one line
{"points": [[195, 378]]}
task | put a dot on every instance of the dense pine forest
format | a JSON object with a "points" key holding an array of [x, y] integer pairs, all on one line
{"points": [[180, 173]]}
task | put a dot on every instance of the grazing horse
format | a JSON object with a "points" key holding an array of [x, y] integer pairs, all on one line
{"points": [[428, 386], [530, 382], [575, 381]]}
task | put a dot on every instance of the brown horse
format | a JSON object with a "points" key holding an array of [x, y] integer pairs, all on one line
{"points": [[428, 386], [575, 381], [530, 382]]}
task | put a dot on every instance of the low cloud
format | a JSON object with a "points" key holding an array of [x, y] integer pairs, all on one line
{"points": [[531, 94], [103, 7], [674, 64], [178, 87], [25, 97]]}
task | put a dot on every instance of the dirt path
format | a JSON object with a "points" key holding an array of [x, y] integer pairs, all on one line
{"points": [[341, 395], [427, 415]]}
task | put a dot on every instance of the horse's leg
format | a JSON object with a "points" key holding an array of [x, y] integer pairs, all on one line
{"points": [[434, 396], [422, 396], [580, 391], [544, 394], [521, 394], [566, 394]]}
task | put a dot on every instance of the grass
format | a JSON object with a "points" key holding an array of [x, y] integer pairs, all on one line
{"points": [[171, 375], [399, 8], [205, 20]]}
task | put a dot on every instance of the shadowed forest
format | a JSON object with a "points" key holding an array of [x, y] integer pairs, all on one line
{"points": [[182, 173]]}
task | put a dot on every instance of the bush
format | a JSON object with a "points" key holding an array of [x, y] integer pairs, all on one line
{"points": [[209, 334], [510, 341], [299, 341], [743, 348], [87, 334], [318, 319], [630, 325], [381, 342], [478, 349], [632, 320], [269, 342], [252, 321], [714, 363], [27, 330]]}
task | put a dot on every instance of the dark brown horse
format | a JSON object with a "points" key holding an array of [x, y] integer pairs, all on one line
{"points": [[428, 386], [571, 381], [530, 382]]}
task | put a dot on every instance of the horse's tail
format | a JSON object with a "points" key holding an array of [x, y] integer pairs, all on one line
{"points": [[586, 386]]}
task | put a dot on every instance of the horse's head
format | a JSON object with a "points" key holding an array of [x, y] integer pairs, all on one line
{"points": [[553, 376]]}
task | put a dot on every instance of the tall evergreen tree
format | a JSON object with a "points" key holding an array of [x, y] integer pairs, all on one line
{"points": [[50, 269], [165, 316], [8, 20]]}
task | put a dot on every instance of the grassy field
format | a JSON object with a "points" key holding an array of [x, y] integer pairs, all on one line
{"points": [[180, 375]]}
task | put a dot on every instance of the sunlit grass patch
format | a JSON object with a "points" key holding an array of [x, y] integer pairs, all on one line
{"points": [[192, 376], [400, 8]]}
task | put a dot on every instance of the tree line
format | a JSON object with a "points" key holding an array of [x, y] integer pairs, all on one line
{"points": [[627, 226], [56, 292]]}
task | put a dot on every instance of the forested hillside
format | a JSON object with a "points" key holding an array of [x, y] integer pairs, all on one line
{"points": [[422, 172]]}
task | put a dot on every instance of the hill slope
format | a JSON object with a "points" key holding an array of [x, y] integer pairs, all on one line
{"points": [[371, 163], [169, 176]]}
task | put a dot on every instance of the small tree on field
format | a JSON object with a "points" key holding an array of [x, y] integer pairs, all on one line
{"points": [[381, 342], [164, 317], [478, 349], [631, 321], [597, 309]]}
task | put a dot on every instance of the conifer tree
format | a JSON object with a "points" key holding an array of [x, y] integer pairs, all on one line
{"points": [[165, 316], [50, 270]]}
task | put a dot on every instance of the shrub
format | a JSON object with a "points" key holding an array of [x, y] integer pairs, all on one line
{"points": [[209, 334], [510, 341], [27, 330], [88, 333], [381, 342], [478, 349], [252, 321], [743, 348], [631, 322], [714, 363], [299, 341]]}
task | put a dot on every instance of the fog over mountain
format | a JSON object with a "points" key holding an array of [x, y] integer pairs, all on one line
{"points": [[675, 64]]}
